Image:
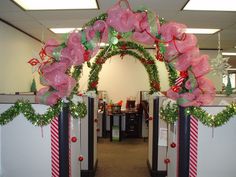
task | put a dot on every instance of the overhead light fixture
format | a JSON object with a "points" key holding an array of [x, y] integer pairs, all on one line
{"points": [[225, 5], [201, 30], [229, 53], [56, 4], [63, 30]]}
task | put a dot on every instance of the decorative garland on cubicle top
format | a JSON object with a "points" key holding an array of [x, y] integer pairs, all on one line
{"points": [[60, 64], [169, 113], [28, 111]]}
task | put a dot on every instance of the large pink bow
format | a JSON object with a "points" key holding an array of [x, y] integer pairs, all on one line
{"points": [[72, 55], [202, 94], [142, 31], [200, 66], [44, 96], [54, 75], [121, 19], [185, 60], [172, 30], [50, 45]]}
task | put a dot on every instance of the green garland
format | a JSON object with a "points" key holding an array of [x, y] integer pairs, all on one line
{"points": [[170, 114], [27, 110], [142, 55]]}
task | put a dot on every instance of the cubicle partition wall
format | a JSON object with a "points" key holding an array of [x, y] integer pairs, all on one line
{"points": [[88, 139], [25, 148], [216, 148], [157, 139], [212, 150], [28, 150]]}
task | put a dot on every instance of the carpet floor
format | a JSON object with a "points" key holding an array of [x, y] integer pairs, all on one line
{"points": [[127, 158]]}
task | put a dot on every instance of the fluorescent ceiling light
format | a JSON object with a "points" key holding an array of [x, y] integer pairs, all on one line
{"points": [[229, 53], [201, 30], [211, 5], [63, 30], [56, 4]]}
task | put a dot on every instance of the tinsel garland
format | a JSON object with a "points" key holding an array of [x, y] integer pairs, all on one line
{"points": [[170, 114], [28, 111], [78, 111], [142, 55]]}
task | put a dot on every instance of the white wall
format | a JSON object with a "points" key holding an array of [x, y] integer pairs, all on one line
{"points": [[16, 49]]}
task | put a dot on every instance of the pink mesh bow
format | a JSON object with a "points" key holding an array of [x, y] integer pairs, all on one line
{"points": [[121, 19]]}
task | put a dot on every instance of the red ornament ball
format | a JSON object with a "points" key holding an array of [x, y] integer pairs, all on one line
{"points": [[73, 139], [173, 145], [167, 161], [81, 158], [175, 88], [184, 74]]}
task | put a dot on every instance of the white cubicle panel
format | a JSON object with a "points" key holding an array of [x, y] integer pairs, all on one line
{"points": [[216, 155], [95, 130], [88, 138], [150, 133], [25, 148], [163, 139], [172, 152], [75, 147], [161, 132], [216, 148]]}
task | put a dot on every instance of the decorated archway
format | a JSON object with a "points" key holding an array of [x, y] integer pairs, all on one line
{"points": [[59, 64]]}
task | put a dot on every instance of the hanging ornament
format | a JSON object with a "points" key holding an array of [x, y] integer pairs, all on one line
{"points": [[175, 88], [74, 139], [81, 158], [173, 145], [219, 64], [167, 161]]}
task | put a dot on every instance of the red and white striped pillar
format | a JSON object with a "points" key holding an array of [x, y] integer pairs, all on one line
{"points": [[54, 147], [193, 152]]}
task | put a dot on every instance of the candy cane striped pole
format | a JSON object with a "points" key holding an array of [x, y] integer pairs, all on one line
{"points": [[183, 143], [54, 147], [193, 147]]}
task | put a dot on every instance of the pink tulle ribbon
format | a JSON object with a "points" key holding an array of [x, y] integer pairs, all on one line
{"points": [[121, 19]]}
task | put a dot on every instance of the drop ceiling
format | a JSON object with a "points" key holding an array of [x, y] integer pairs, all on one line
{"points": [[37, 23]]}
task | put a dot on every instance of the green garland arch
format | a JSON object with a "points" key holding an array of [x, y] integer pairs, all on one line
{"points": [[147, 60]]}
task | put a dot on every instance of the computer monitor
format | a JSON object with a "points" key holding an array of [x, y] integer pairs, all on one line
{"points": [[130, 104]]}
